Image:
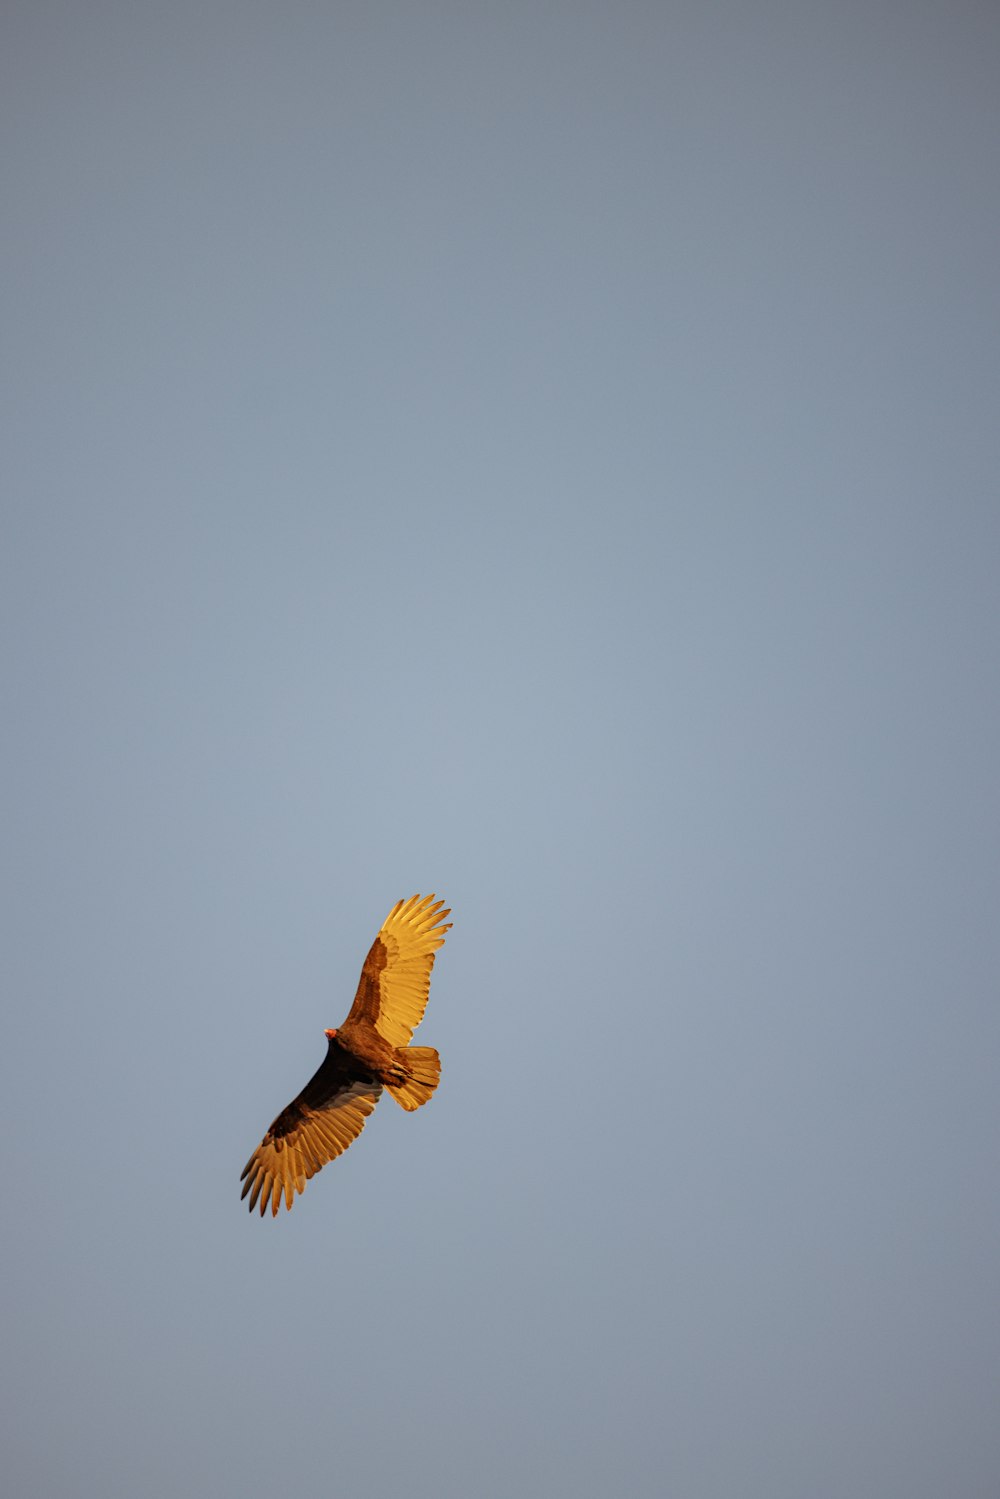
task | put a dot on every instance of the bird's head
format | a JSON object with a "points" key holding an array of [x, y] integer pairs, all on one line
{"points": [[330, 1034]]}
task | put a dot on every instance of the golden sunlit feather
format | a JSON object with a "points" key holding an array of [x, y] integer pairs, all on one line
{"points": [[322, 1134], [396, 978]]}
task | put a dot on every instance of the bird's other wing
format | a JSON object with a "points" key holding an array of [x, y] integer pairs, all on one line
{"points": [[315, 1128], [396, 978]]}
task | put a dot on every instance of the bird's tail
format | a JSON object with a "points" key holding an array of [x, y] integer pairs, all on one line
{"points": [[423, 1067]]}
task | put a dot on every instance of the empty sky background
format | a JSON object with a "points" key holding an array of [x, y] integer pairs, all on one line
{"points": [[545, 454]]}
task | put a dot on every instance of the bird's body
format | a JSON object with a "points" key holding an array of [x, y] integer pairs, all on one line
{"points": [[361, 1040], [369, 1051]]}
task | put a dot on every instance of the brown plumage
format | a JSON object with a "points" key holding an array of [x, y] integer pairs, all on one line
{"points": [[370, 1049]]}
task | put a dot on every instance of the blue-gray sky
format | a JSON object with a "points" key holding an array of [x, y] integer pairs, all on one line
{"points": [[545, 454]]}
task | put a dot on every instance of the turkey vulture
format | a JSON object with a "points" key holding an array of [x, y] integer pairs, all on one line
{"points": [[369, 1049]]}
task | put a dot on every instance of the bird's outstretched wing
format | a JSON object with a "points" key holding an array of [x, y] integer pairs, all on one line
{"points": [[315, 1128], [396, 978]]}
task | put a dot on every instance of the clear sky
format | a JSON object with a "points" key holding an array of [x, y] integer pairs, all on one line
{"points": [[545, 454]]}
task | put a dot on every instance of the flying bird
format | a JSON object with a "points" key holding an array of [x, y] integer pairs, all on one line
{"points": [[371, 1049]]}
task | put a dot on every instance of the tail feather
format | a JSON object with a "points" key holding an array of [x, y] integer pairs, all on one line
{"points": [[423, 1066]]}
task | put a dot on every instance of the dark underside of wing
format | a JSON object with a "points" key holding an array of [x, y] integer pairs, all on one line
{"points": [[314, 1129]]}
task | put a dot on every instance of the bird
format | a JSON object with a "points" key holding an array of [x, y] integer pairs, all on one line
{"points": [[371, 1049]]}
